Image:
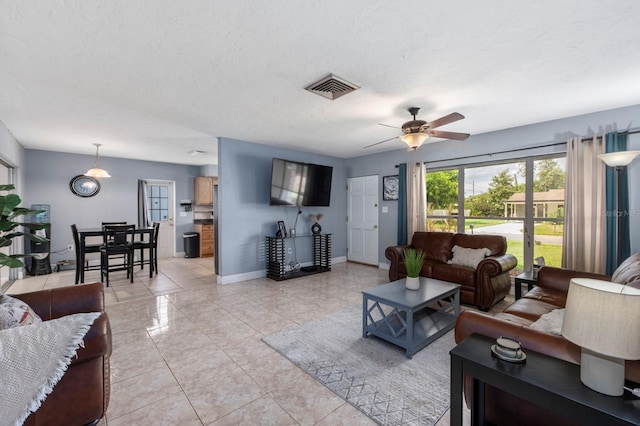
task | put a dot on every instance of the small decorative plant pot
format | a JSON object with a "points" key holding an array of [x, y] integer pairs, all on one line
{"points": [[412, 283], [316, 228]]}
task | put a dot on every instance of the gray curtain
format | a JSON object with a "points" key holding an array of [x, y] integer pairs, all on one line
{"points": [[143, 206], [584, 239], [416, 199]]}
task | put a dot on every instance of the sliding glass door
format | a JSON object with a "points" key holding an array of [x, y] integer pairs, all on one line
{"points": [[522, 200]]}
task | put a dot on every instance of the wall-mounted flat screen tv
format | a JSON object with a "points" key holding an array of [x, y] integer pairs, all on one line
{"points": [[300, 184]]}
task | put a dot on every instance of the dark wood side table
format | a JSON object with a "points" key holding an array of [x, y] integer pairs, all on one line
{"points": [[543, 380], [524, 278]]}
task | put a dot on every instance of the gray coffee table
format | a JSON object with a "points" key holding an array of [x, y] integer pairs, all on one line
{"points": [[412, 318]]}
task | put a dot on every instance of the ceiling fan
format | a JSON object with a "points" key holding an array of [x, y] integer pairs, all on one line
{"points": [[416, 132]]}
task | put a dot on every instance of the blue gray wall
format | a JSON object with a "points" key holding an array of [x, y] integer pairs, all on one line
{"points": [[481, 146], [245, 217], [47, 176]]}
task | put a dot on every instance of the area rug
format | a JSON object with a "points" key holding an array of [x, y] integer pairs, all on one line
{"points": [[372, 375]]}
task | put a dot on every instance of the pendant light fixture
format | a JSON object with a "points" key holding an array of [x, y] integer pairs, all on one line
{"points": [[96, 171]]}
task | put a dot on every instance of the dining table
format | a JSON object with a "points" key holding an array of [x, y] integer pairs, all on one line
{"points": [[84, 233]]}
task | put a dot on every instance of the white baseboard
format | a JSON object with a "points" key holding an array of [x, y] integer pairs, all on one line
{"points": [[230, 279], [384, 265]]}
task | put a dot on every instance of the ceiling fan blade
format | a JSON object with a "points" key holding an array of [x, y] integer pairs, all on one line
{"points": [[378, 143], [386, 125], [449, 135], [454, 116]]}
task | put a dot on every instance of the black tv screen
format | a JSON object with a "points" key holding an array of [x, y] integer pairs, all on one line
{"points": [[300, 184]]}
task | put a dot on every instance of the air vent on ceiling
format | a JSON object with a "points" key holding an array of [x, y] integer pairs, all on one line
{"points": [[331, 87]]}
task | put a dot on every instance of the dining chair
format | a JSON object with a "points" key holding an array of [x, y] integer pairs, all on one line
{"points": [[150, 244], [81, 263], [122, 222], [116, 252]]}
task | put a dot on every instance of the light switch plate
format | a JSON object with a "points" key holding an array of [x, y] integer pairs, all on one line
{"points": [[183, 214], [385, 209]]}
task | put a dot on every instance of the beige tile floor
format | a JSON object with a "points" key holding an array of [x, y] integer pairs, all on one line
{"points": [[187, 351]]}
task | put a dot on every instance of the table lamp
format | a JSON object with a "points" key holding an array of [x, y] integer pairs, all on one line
{"points": [[603, 318]]}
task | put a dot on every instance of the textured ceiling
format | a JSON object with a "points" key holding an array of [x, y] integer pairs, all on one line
{"points": [[155, 79]]}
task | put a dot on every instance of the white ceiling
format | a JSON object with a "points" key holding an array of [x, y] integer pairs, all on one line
{"points": [[155, 79]]}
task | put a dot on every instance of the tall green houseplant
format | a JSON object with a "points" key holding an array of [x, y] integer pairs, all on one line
{"points": [[9, 226]]}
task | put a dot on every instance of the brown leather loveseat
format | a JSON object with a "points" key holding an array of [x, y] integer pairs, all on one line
{"points": [[483, 286], [82, 395], [515, 321]]}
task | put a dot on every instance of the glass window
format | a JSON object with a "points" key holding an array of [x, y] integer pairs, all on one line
{"points": [[158, 202], [442, 201], [548, 207], [488, 191], [495, 201]]}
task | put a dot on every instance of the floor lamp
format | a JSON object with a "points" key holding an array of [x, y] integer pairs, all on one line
{"points": [[619, 160]]}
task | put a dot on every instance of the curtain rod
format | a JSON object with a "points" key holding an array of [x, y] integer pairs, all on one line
{"points": [[628, 131]]}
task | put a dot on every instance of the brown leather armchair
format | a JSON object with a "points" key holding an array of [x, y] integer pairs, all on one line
{"points": [[483, 286], [81, 397]]}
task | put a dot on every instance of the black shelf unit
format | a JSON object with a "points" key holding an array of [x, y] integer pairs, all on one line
{"points": [[39, 263], [276, 257]]}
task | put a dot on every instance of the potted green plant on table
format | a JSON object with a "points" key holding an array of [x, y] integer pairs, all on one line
{"points": [[413, 261], [9, 212]]}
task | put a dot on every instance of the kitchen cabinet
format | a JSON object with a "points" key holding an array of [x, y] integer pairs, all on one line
{"points": [[206, 239], [203, 190]]}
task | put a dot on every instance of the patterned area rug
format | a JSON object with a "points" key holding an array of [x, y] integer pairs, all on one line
{"points": [[371, 374]]}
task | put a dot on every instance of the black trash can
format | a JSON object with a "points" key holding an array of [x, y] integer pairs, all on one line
{"points": [[191, 244]]}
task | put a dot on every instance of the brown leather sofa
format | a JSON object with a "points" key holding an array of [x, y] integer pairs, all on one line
{"points": [[82, 395], [550, 293], [483, 286]]}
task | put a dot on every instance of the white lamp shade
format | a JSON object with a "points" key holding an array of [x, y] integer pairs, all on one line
{"points": [[97, 173], [414, 140], [619, 159], [603, 317]]}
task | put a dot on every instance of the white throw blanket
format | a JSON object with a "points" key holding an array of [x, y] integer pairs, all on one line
{"points": [[33, 359], [551, 322]]}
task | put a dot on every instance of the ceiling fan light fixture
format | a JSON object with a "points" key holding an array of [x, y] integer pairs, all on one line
{"points": [[96, 171], [415, 140], [416, 132]]}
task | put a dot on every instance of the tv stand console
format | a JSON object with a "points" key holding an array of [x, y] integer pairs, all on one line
{"points": [[277, 261]]}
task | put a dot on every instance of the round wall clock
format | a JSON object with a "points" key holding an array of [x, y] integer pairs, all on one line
{"points": [[84, 186]]}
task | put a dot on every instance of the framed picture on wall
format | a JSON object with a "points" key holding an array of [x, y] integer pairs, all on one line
{"points": [[390, 188], [282, 230]]}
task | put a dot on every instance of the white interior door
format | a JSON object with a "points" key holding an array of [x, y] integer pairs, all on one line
{"points": [[160, 197], [362, 221]]}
